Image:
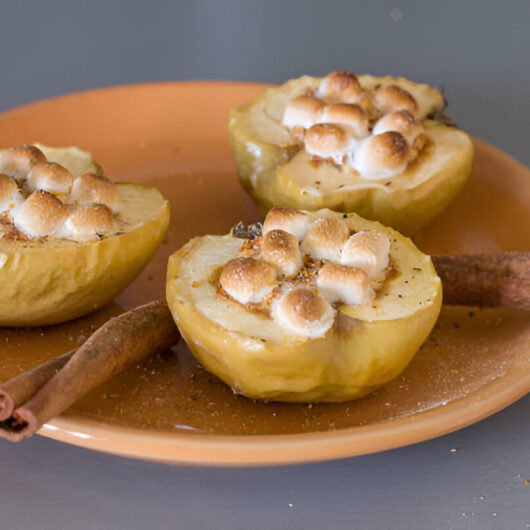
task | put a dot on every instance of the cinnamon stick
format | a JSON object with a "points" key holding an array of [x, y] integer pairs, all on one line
{"points": [[485, 280], [121, 342], [18, 390]]}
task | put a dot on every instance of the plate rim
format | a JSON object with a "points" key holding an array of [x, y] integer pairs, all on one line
{"points": [[284, 449]]}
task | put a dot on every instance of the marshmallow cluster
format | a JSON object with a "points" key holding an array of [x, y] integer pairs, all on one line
{"points": [[303, 265], [40, 199], [375, 132]]}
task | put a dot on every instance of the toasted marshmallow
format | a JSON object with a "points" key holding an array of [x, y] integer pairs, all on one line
{"points": [[325, 239], [8, 193], [302, 112], [327, 140], [49, 176], [304, 312], [368, 250], [90, 188], [351, 116], [345, 284], [281, 249], [402, 122], [340, 87], [392, 98], [41, 214], [88, 222], [247, 279], [288, 220], [17, 161], [381, 156]]}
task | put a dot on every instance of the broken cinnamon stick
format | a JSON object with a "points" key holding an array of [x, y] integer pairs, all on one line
{"points": [[485, 280], [18, 390], [121, 342]]}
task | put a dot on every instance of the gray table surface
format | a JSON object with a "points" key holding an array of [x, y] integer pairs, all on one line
{"points": [[479, 52]]}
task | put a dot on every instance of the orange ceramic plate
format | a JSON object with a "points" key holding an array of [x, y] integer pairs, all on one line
{"points": [[173, 136]]}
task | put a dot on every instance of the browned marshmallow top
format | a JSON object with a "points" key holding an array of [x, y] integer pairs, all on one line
{"points": [[292, 221], [340, 86], [344, 124], [401, 121], [303, 111], [368, 251], [325, 238], [281, 249], [247, 279], [350, 116], [304, 312], [43, 199], [17, 161], [86, 221], [49, 176], [41, 214], [326, 140], [382, 155], [393, 97], [90, 188], [296, 273], [340, 282]]}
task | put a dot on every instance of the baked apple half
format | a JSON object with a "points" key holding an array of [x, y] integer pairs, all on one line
{"points": [[313, 306], [70, 239], [377, 146]]}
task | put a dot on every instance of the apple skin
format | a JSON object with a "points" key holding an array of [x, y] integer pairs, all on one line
{"points": [[367, 346]]}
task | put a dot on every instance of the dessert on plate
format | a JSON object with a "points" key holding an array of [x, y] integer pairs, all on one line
{"points": [[312, 306], [378, 146], [70, 239]]}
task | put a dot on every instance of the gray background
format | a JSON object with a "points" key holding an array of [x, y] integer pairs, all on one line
{"points": [[479, 52]]}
